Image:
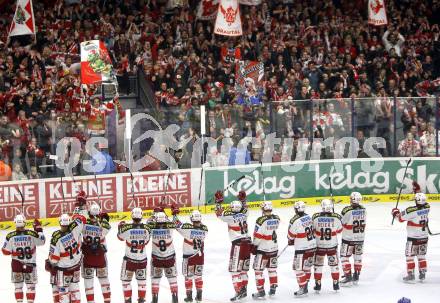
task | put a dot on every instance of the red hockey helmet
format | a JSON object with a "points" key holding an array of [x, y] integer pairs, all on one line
{"points": [[81, 197], [242, 196], [219, 196]]}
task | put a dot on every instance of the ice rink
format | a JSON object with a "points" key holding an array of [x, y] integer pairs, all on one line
{"points": [[380, 281]]}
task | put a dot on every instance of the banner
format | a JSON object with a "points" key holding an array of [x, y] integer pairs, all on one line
{"points": [[228, 21], [249, 74], [157, 189], [11, 200], [250, 2], [207, 9], [287, 182], [96, 65], [376, 13], [61, 198], [23, 22]]}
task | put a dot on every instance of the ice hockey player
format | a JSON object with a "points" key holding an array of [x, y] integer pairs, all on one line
{"points": [[94, 253], [327, 225], [417, 235], [163, 255], [65, 255], [354, 219], [194, 234], [81, 204], [265, 249], [302, 235], [21, 244], [236, 218], [136, 236]]}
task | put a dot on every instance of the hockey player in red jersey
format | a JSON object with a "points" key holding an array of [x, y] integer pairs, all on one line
{"points": [[302, 235], [65, 255], [194, 234], [94, 250], [417, 235], [21, 244], [136, 236], [163, 255], [236, 218], [327, 225], [265, 248], [354, 219]]}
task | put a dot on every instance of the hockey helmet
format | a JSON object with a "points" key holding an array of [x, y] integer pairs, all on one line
{"points": [[327, 205], [160, 217], [218, 196], [300, 206], [65, 220], [196, 216], [355, 198], [241, 196], [420, 198], [20, 221], [236, 206], [94, 210], [136, 213], [266, 206]]}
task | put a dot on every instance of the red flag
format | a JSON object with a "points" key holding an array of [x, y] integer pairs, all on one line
{"points": [[376, 12], [23, 22]]}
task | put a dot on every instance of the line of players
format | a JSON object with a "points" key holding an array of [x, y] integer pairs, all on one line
{"points": [[79, 247]]}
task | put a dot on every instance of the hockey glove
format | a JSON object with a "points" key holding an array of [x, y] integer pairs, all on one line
{"points": [[37, 226]]}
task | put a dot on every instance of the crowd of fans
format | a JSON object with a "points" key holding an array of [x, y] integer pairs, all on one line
{"points": [[321, 61]]}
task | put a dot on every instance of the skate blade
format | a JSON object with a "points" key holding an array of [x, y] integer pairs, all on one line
{"points": [[410, 282], [350, 284], [301, 296]]}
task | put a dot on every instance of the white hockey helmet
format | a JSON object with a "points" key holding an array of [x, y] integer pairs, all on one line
{"points": [[65, 220], [266, 206], [136, 213], [20, 221], [300, 206], [420, 198], [95, 209], [327, 205], [236, 206], [355, 198], [195, 216], [160, 217]]}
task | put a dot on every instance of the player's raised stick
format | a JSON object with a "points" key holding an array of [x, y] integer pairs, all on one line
{"points": [[401, 187], [262, 180], [226, 188]]}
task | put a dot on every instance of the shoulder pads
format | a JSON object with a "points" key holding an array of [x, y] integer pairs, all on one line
{"points": [[11, 234], [55, 237]]}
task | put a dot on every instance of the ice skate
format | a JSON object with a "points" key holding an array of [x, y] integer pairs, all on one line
{"points": [[189, 297], [335, 285], [174, 298], [422, 275], [301, 292], [317, 287], [199, 296], [259, 295], [155, 298], [356, 277], [409, 278], [347, 280], [235, 298], [128, 300], [141, 300], [243, 292], [272, 290]]}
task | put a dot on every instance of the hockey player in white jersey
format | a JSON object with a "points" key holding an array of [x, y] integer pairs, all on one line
{"points": [[327, 225], [194, 234], [163, 255], [236, 216], [417, 235], [301, 234], [136, 236], [265, 249], [354, 219], [65, 256], [21, 244], [94, 250]]}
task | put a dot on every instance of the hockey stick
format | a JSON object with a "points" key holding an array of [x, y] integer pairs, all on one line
{"points": [[262, 180], [22, 200], [62, 193], [227, 187], [132, 185], [282, 251], [430, 232], [401, 187], [200, 189]]}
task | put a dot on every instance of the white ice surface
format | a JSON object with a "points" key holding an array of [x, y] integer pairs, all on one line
{"points": [[384, 265]]}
